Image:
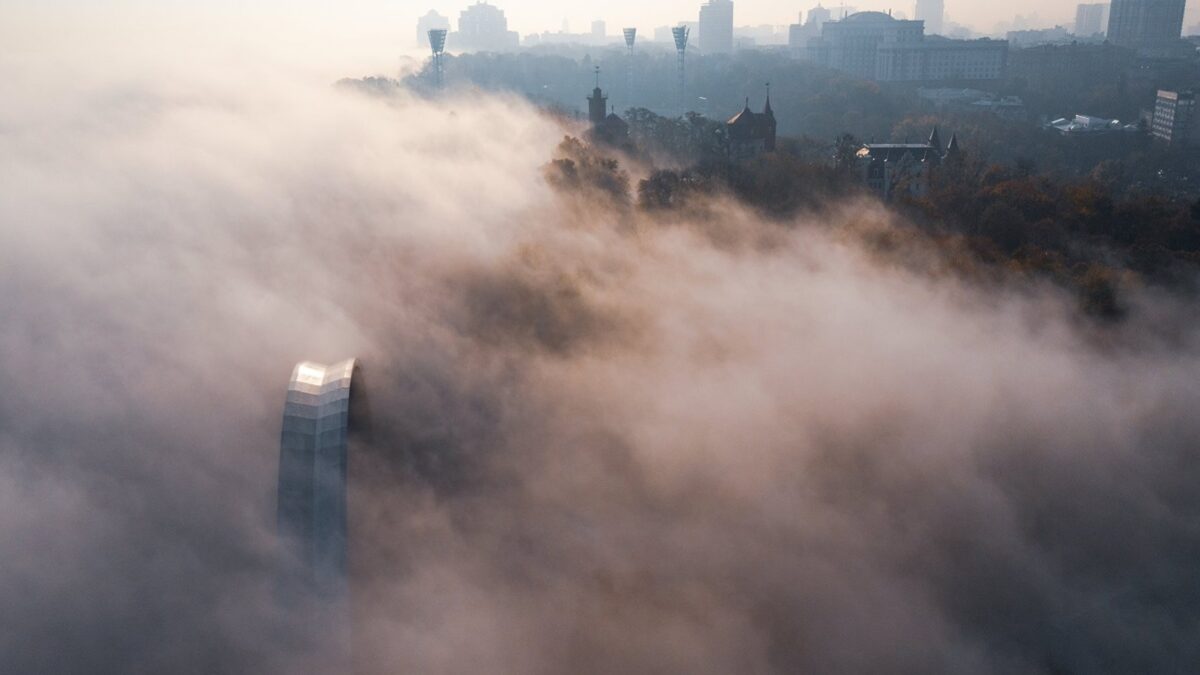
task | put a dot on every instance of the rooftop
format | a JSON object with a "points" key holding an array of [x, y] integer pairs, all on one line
{"points": [[869, 16]]}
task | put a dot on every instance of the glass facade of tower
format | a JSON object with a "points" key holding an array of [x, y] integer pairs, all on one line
{"points": [[312, 480]]}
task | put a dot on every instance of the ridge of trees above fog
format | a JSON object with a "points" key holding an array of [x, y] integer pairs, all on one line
{"points": [[989, 222], [1098, 216]]}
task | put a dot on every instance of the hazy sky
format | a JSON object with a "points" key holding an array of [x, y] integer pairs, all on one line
{"points": [[528, 13], [525, 16]]}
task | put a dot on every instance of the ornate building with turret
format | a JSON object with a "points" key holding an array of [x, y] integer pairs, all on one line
{"points": [[751, 134], [889, 169]]}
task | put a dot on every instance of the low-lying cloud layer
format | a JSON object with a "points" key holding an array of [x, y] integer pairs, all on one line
{"points": [[602, 442]]}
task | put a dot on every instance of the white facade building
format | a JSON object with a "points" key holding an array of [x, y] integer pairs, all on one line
{"points": [[876, 46]]}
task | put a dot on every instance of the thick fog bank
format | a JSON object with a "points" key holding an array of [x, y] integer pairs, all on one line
{"points": [[602, 442]]}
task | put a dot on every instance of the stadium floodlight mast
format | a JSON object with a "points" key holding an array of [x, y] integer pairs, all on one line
{"points": [[437, 42], [630, 39], [680, 33]]}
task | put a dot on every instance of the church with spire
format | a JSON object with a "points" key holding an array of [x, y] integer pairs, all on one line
{"points": [[607, 126], [751, 134]]}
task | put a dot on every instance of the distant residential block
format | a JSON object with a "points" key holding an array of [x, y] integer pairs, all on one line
{"points": [[1175, 121]]}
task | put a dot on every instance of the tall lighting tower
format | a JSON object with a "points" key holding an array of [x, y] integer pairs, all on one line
{"points": [[681, 39], [437, 42], [630, 38]]}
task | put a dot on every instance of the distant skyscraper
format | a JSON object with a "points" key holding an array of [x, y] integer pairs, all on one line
{"points": [[1090, 19], [932, 13], [483, 27], [798, 35], [807, 28], [599, 29], [311, 516], [1142, 24], [817, 16], [431, 21], [716, 27]]}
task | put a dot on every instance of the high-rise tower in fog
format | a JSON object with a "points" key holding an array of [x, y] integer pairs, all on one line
{"points": [[933, 13], [311, 515], [716, 27], [431, 21], [1090, 19], [817, 16], [483, 27], [1145, 24]]}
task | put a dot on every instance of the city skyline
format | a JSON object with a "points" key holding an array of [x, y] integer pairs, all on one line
{"points": [[528, 17], [524, 16]]}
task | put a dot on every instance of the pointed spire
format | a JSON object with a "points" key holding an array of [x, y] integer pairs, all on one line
{"points": [[597, 77], [767, 109], [935, 139], [953, 148], [747, 103]]}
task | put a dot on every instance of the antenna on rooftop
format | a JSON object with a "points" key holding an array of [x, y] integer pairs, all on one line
{"points": [[437, 43]]}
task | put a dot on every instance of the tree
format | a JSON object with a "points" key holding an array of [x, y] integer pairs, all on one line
{"points": [[581, 169], [660, 190]]}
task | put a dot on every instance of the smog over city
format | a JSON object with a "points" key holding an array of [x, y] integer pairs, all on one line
{"points": [[492, 338]]}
